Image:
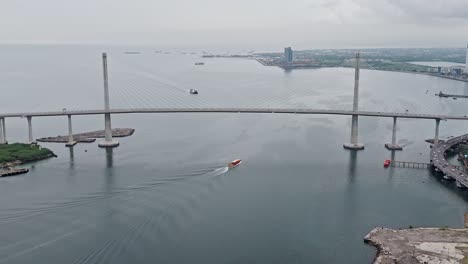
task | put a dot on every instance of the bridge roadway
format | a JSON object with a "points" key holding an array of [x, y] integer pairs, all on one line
{"points": [[236, 110], [439, 161]]}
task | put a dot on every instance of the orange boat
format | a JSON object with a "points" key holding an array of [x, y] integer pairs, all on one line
{"points": [[234, 163], [387, 163]]}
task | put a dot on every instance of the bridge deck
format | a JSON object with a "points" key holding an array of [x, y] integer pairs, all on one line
{"points": [[237, 110], [439, 161]]}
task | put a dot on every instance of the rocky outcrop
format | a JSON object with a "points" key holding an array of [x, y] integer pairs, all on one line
{"points": [[419, 245]]}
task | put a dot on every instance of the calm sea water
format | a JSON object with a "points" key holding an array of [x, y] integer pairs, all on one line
{"points": [[164, 195]]}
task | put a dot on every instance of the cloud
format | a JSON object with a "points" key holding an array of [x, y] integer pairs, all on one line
{"points": [[433, 10], [394, 11], [276, 22]]}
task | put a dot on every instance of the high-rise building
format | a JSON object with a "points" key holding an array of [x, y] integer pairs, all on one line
{"points": [[288, 55]]}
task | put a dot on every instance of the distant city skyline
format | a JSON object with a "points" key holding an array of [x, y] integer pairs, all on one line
{"points": [[262, 24]]}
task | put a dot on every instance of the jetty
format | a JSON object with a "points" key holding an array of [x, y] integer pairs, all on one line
{"points": [[441, 94], [89, 137], [13, 172]]}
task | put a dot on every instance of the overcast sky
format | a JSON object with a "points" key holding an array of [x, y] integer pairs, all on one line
{"points": [[243, 23]]}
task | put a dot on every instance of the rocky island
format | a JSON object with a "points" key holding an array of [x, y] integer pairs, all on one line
{"points": [[419, 245], [18, 153]]}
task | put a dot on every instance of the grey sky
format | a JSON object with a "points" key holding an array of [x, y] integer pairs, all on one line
{"points": [[247, 23]]}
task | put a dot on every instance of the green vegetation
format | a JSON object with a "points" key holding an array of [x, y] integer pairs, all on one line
{"points": [[463, 149], [23, 152]]}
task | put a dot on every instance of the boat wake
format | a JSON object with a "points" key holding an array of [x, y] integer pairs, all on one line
{"points": [[217, 172]]}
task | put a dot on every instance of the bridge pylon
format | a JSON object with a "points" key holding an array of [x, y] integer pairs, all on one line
{"points": [[71, 142], [108, 142], [30, 131], [394, 145], [2, 131], [354, 121]]}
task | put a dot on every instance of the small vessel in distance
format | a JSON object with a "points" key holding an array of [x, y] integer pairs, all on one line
{"points": [[387, 163], [234, 163], [193, 91], [199, 63]]}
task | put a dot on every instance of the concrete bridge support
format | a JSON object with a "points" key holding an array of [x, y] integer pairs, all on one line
{"points": [[70, 142], [30, 132], [436, 137], [108, 142], [354, 122], [2, 131], [394, 145]]}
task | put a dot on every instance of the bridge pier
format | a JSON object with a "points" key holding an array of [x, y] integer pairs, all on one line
{"points": [[108, 142], [2, 131], [30, 132], [354, 121], [436, 137], [70, 142], [394, 145]]}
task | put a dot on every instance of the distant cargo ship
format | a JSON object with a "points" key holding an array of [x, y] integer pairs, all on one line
{"points": [[199, 63]]}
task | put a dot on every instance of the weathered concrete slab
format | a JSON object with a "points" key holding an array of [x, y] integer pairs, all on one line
{"points": [[390, 146], [419, 245], [351, 146], [71, 144], [89, 137]]}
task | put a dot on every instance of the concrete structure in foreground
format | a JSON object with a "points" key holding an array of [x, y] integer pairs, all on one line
{"points": [[394, 145], [108, 142], [354, 121], [419, 245]]}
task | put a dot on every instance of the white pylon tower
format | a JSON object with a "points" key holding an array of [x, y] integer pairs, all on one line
{"points": [[108, 142], [354, 123]]}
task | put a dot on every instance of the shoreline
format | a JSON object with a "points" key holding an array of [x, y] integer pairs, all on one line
{"points": [[340, 66], [419, 245], [20, 162], [14, 163]]}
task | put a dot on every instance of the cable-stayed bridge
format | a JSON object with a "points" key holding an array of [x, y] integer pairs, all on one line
{"points": [[171, 98]]}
